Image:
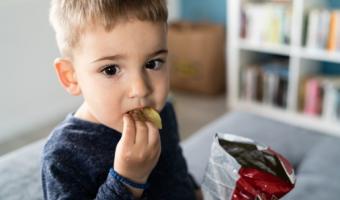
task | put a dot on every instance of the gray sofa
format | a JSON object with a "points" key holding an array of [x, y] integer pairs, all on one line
{"points": [[315, 157]]}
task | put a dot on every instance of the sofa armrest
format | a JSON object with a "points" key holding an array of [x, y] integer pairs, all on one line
{"points": [[20, 173]]}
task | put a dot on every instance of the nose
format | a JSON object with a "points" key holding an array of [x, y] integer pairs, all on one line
{"points": [[140, 86]]}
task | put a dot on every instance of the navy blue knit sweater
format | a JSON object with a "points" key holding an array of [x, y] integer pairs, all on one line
{"points": [[79, 154]]}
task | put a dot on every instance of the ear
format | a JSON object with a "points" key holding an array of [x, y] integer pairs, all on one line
{"points": [[67, 76]]}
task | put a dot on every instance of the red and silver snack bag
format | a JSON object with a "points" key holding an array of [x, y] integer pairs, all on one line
{"points": [[241, 169]]}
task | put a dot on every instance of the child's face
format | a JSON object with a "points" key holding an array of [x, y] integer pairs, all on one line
{"points": [[122, 70]]}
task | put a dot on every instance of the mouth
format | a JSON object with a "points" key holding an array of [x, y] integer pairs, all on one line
{"points": [[147, 114]]}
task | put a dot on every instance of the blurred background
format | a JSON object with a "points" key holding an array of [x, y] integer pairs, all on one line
{"points": [[278, 58]]}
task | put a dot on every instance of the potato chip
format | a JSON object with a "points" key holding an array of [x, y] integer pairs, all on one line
{"points": [[148, 114], [152, 116]]}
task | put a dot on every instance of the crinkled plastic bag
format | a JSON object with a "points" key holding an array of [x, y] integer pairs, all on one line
{"points": [[241, 169]]}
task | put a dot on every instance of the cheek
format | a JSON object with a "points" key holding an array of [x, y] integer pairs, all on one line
{"points": [[102, 96], [161, 87], [94, 86], [85, 79], [107, 107]]}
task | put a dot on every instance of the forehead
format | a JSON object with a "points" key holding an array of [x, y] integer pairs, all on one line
{"points": [[126, 37]]}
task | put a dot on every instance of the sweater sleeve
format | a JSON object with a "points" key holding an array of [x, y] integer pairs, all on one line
{"points": [[61, 181], [113, 189]]}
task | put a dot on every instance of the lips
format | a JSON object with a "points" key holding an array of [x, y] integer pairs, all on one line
{"points": [[148, 114]]}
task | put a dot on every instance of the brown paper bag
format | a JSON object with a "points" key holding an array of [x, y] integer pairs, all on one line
{"points": [[196, 57]]}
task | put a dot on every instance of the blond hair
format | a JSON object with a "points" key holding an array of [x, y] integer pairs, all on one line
{"points": [[70, 18]]}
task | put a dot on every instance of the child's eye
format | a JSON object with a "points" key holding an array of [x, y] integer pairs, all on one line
{"points": [[110, 70], [154, 64]]}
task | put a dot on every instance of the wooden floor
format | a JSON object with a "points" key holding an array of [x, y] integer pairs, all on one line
{"points": [[194, 111]]}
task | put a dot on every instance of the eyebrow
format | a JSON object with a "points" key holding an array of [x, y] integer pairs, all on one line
{"points": [[116, 57], [161, 51]]}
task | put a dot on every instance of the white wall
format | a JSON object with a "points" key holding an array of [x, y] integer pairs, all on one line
{"points": [[30, 95]]}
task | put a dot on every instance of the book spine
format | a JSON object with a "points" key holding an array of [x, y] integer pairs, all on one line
{"points": [[312, 98], [329, 102], [331, 46], [312, 30]]}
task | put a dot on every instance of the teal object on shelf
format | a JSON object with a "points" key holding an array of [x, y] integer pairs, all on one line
{"points": [[203, 10]]}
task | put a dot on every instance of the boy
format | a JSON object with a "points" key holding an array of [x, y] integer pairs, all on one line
{"points": [[114, 54]]}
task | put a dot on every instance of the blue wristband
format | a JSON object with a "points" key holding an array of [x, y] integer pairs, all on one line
{"points": [[126, 181]]}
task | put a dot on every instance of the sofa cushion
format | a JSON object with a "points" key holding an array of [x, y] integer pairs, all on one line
{"points": [[20, 173], [318, 175]]}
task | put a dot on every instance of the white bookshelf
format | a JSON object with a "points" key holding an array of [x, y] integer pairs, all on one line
{"points": [[265, 47], [302, 61]]}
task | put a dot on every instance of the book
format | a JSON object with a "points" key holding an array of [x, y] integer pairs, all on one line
{"points": [[313, 97], [313, 21], [321, 96], [331, 87], [271, 83], [266, 82], [275, 83], [282, 93], [332, 35], [337, 30], [252, 81], [323, 29], [268, 22]]}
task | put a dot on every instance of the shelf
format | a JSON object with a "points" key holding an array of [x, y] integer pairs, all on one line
{"points": [[287, 50], [279, 49], [290, 117], [320, 55], [302, 62]]}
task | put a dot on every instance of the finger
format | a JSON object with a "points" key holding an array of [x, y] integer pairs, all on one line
{"points": [[153, 132], [129, 130], [141, 131]]}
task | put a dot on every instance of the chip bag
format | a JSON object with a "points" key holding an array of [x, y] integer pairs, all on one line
{"points": [[241, 169]]}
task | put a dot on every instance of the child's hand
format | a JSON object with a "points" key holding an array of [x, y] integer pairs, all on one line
{"points": [[138, 150], [199, 194]]}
